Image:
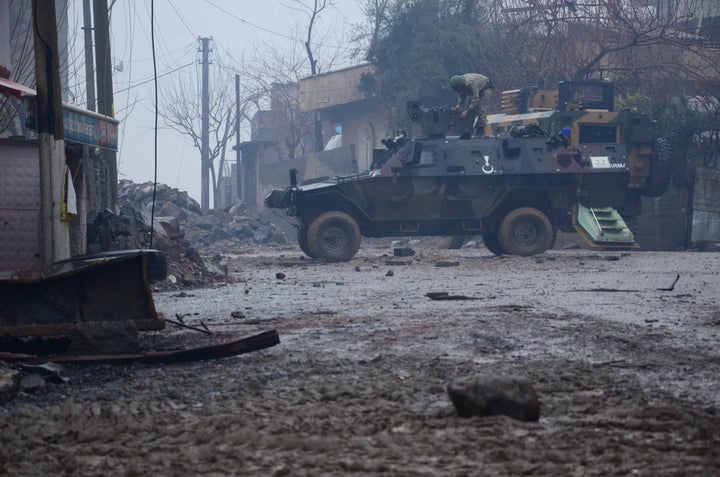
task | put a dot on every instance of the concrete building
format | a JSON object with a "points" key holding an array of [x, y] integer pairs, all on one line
{"points": [[353, 126]]}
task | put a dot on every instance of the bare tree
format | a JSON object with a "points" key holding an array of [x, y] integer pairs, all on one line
{"points": [[271, 79], [312, 9], [181, 111], [629, 42]]}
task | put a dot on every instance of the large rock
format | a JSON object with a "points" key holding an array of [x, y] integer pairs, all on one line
{"points": [[495, 395]]}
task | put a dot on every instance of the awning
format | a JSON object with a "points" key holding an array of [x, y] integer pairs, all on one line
{"points": [[15, 89], [80, 125]]}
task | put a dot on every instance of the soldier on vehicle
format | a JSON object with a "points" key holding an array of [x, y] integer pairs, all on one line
{"points": [[474, 91]]}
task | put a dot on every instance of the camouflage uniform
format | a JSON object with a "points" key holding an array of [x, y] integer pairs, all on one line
{"points": [[477, 92]]}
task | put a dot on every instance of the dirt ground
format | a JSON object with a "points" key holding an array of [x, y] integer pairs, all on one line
{"points": [[627, 374]]}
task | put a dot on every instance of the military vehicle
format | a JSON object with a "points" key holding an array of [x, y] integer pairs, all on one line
{"points": [[553, 160]]}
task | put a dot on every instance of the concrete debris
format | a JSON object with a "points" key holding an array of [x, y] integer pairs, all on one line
{"points": [[490, 395], [194, 240]]}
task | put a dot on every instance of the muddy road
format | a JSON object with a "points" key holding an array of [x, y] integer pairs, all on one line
{"points": [[628, 374]]}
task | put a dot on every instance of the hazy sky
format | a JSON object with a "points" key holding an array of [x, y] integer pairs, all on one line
{"points": [[240, 30]]}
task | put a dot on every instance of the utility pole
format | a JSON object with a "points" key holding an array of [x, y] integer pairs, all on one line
{"points": [[55, 234], [105, 102], [89, 63], [205, 113], [238, 153]]}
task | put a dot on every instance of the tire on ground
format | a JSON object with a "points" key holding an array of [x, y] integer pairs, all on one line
{"points": [[492, 241], [303, 242], [525, 231], [156, 265], [661, 169], [334, 237]]}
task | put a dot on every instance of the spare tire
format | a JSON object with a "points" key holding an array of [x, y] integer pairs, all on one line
{"points": [[661, 169]]}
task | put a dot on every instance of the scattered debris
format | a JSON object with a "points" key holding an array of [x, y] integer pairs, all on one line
{"points": [[403, 252], [189, 327], [193, 239], [671, 287], [280, 276], [447, 296], [395, 263], [447, 264], [495, 395], [390, 273]]}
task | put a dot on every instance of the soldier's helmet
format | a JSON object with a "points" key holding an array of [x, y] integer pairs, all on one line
{"points": [[457, 83]]}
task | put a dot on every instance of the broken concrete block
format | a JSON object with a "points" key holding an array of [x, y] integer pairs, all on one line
{"points": [[9, 384], [170, 226], [104, 337], [32, 383], [495, 395]]}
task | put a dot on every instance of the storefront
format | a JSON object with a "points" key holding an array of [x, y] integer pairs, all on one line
{"points": [[85, 133]]}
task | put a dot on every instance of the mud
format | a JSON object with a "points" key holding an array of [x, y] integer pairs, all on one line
{"points": [[627, 374]]}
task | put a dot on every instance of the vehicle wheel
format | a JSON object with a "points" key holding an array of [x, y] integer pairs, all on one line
{"points": [[492, 242], [334, 237], [661, 170], [554, 238], [525, 231], [156, 265], [303, 242]]}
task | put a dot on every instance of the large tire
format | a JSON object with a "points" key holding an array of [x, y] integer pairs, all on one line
{"points": [[661, 169], [303, 242], [334, 237], [491, 239], [525, 231]]}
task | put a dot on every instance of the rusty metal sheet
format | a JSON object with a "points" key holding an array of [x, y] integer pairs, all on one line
{"points": [[49, 301]]}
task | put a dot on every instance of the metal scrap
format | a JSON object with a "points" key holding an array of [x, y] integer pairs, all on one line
{"points": [[257, 342]]}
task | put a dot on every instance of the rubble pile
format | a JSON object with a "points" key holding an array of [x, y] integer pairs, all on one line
{"points": [[193, 239]]}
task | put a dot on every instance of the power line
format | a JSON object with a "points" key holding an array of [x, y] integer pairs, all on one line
{"points": [[158, 76], [249, 23], [267, 30], [182, 19]]}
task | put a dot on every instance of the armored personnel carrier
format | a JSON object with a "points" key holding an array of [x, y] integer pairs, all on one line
{"points": [[552, 160]]}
